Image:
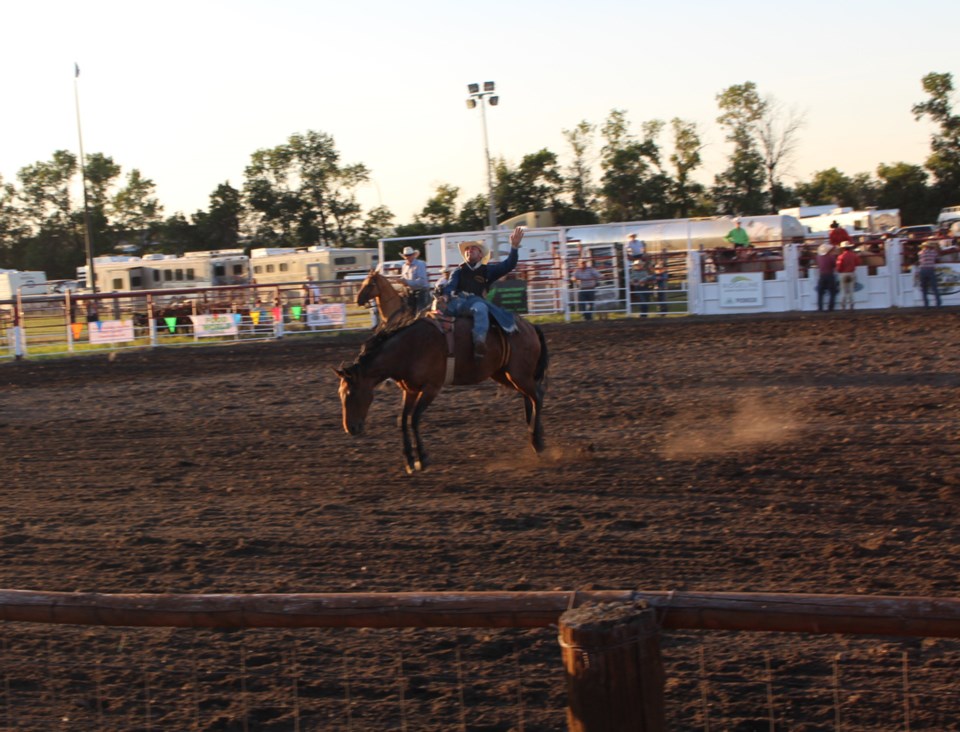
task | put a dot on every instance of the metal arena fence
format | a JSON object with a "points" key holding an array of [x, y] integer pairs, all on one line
{"points": [[79, 323], [471, 661], [769, 277]]}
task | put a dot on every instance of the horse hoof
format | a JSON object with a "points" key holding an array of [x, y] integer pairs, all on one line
{"points": [[418, 465], [409, 469]]}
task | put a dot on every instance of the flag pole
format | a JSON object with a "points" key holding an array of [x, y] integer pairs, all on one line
{"points": [[91, 282]]}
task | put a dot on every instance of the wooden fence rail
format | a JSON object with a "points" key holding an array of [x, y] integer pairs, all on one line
{"points": [[804, 613]]}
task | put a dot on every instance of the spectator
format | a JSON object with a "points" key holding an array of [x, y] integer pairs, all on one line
{"points": [[586, 279], [312, 294], [636, 248], [946, 241], [661, 276], [927, 272], [642, 281], [443, 281], [738, 236], [838, 235], [847, 264], [93, 314], [827, 279]]}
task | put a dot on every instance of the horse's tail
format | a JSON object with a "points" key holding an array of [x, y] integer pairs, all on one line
{"points": [[543, 363]]}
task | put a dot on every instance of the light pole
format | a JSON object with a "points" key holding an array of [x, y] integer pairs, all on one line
{"points": [[477, 97], [91, 282]]}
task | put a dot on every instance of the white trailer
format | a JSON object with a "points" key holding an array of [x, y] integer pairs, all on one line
{"points": [[26, 283], [870, 221]]}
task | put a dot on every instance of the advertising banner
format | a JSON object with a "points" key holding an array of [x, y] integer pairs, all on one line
{"points": [[110, 331], [219, 324], [326, 314], [741, 290]]}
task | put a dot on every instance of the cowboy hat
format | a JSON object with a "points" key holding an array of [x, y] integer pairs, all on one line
{"points": [[407, 251], [931, 244], [485, 250]]}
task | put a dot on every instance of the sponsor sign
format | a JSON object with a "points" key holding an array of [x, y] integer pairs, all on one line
{"points": [[510, 295], [219, 324], [326, 314], [741, 289], [110, 331]]}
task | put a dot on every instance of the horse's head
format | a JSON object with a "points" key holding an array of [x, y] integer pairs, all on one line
{"points": [[369, 288], [356, 395]]}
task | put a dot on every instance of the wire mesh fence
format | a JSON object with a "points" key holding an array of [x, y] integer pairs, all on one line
{"points": [[71, 677]]}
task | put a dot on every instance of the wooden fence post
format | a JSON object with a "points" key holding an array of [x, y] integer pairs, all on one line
{"points": [[611, 655]]}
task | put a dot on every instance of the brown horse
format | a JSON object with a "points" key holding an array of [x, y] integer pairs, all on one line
{"points": [[390, 304], [414, 354]]}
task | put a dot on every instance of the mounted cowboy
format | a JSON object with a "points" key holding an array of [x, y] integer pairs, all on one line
{"points": [[414, 275], [465, 293]]}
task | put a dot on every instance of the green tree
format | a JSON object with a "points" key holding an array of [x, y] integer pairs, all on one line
{"points": [[473, 214], [219, 226], [134, 207], [577, 181], [685, 192], [300, 193], [377, 224], [633, 185], [740, 188], [830, 186], [904, 186], [53, 229], [536, 184], [11, 227], [944, 159]]}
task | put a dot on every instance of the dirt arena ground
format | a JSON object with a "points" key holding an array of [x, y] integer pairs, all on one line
{"points": [[805, 453]]}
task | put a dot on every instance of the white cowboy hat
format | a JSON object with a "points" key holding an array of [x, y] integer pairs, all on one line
{"points": [[465, 245], [407, 251]]}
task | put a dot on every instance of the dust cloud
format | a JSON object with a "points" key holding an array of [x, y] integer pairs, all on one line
{"points": [[752, 422]]}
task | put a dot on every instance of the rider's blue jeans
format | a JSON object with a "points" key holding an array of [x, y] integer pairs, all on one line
{"points": [[475, 306]]}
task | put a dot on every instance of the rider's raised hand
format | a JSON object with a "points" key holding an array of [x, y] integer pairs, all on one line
{"points": [[516, 237]]}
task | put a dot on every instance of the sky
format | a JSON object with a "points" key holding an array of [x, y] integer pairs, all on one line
{"points": [[186, 92]]}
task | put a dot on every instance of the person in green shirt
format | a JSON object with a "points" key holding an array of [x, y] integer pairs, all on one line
{"points": [[737, 236]]}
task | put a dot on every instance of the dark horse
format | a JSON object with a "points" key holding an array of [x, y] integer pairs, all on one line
{"points": [[414, 355]]}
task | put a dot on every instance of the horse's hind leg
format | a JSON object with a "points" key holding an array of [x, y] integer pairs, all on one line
{"points": [[532, 406], [409, 404], [424, 400], [532, 403]]}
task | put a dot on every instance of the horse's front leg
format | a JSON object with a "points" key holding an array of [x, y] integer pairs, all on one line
{"points": [[424, 399]]}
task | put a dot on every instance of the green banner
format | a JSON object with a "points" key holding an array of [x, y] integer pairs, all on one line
{"points": [[510, 295]]}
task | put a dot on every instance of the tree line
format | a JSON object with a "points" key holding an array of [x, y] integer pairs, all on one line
{"points": [[301, 193]]}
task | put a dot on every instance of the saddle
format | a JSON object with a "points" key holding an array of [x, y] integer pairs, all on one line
{"points": [[446, 324]]}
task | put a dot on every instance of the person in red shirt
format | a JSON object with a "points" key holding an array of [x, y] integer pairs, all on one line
{"points": [[847, 264], [827, 280], [838, 234]]}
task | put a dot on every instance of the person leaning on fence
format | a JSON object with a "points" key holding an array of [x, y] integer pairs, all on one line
{"points": [[586, 278], [468, 286], [927, 272], [414, 275], [847, 264], [827, 278]]}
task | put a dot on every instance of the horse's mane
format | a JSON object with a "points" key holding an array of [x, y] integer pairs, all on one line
{"points": [[384, 332]]}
